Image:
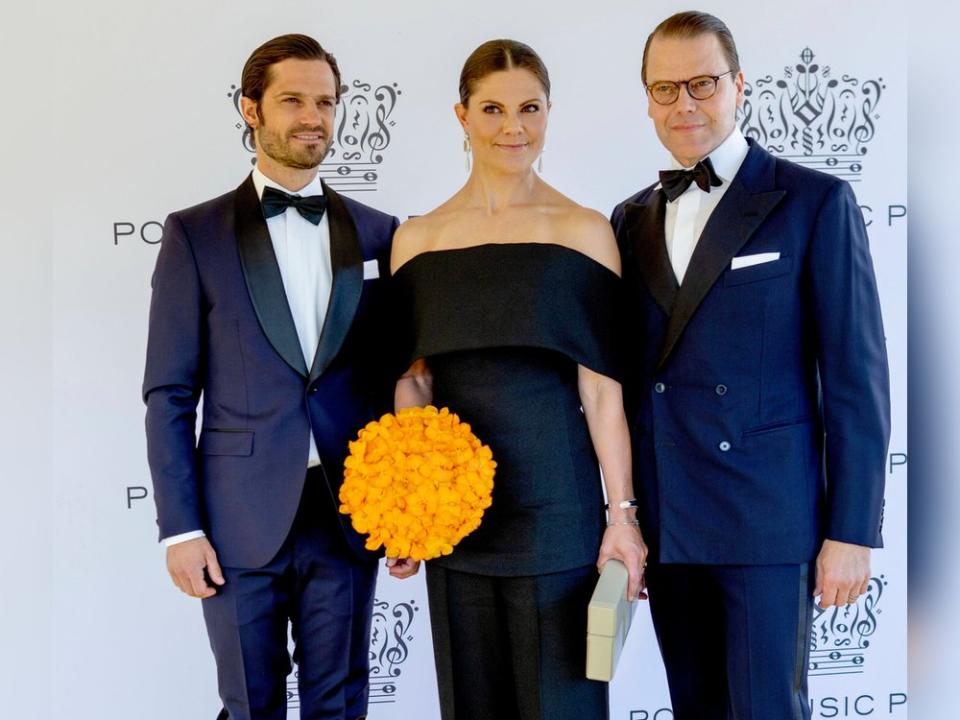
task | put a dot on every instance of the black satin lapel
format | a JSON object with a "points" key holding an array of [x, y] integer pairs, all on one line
{"points": [[262, 275], [729, 228], [347, 261], [645, 226]]}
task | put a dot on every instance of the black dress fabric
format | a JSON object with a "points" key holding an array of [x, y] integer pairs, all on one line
{"points": [[503, 328], [513, 648]]}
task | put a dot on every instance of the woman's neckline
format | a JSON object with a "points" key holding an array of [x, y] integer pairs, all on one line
{"points": [[486, 245]]}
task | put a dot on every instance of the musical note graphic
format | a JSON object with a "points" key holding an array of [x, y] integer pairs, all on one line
{"points": [[389, 647], [390, 640], [840, 636]]}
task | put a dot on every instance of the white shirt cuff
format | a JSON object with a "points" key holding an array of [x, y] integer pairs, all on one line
{"points": [[183, 537]]}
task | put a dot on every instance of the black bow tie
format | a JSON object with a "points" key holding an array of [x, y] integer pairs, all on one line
{"points": [[676, 182], [276, 201]]}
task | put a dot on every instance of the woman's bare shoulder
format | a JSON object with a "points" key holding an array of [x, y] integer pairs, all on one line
{"points": [[589, 232], [418, 234]]}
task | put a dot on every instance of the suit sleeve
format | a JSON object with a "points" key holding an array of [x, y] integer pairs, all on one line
{"points": [[852, 362], [172, 383], [395, 331], [615, 218], [632, 337]]}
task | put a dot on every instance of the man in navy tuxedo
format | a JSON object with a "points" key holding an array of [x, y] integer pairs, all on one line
{"points": [[267, 304], [758, 402]]}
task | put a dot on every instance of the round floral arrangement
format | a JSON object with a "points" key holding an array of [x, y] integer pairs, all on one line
{"points": [[417, 482]]}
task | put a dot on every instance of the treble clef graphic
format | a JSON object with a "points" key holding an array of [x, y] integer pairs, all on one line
{"points": [[398, 651], [386, 98], [868, 625]]}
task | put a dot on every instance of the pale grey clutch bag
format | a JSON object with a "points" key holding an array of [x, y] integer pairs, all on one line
{"points": [[608, 621]]}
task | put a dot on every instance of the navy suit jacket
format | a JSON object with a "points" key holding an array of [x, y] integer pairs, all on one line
{"points": [[758, 398], [221, 329]]}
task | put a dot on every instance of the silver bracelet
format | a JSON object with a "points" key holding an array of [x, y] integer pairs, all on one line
{"points": [[625, 504], [635, 523]]}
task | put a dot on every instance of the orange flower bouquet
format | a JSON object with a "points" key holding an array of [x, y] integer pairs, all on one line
{"points": [[417, 482]]}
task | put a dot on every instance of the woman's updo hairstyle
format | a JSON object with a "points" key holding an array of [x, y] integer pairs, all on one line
{"points": [[495, 56]]}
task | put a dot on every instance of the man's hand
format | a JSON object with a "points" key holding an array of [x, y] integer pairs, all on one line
{"points": [[843, 573], [186, 562], [624, 543], [402, 567]]}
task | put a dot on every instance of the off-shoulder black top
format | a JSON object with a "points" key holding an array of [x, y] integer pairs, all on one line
{"points": [[503, 328]]}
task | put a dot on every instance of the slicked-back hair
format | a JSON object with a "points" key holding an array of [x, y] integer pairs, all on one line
{"points": [[496, 55], [691, 24]]}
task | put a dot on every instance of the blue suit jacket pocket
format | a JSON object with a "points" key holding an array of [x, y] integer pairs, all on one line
{"points": [[755, 273], [775, 427], [226, 442]]}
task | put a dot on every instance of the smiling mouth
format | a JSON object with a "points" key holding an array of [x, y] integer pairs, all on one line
{"points": [[513, 147], [308, 137]]}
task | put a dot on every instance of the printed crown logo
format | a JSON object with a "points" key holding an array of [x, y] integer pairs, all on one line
{"points": [[812, 118], [841, 635], [362, 134]]}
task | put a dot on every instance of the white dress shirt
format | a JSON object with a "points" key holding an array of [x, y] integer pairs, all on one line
{"points": [[687, 215], [303, 255]]}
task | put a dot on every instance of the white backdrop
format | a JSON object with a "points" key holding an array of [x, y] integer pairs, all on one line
{"points": [[135, 118]]}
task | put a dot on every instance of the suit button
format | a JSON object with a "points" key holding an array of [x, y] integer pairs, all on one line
{"points": [[724, 446], [721, 389], [314, 389], [660, 387]]}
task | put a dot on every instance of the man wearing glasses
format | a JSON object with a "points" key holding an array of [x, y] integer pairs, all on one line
{"points": [[759, 399]]}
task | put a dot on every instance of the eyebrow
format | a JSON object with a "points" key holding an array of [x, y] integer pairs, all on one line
{"points": [[294, 93], [698, 75], [525, 102]]}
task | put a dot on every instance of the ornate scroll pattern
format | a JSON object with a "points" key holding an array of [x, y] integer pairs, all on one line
{"points": [[841, 635], [247, 137], [811, 117], [362, 133]]}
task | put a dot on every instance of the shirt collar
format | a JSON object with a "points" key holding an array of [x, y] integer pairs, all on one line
{"points": [[727, 157], [260, 181]]}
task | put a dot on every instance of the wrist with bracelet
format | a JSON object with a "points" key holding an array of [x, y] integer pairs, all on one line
{"points": [[624, 506]]}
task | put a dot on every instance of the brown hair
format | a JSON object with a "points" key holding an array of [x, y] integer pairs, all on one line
{"points": [[496, 55], [256, 71], [691, 24]]}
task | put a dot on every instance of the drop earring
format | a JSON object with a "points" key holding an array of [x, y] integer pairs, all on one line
{"points": [[466, 151], [540, 163]]}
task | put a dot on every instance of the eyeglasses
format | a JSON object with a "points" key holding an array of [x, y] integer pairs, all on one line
{"points": [[702, 87]]}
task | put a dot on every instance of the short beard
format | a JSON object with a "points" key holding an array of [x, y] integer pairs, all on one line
{"points": [[279, 150]]}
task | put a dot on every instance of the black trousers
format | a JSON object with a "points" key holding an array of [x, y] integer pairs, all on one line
{"points": [[735, 639], [513, 648], [319, 590]]}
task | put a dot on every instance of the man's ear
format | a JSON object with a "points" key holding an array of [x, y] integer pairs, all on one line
{"points": [[248, 108]]}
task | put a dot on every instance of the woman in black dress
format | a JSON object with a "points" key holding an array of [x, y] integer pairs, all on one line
{"points": [[510, 292]]}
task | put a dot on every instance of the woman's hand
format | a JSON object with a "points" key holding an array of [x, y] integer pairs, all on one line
{"points": [[415, 387], [624, 543], [402, 567]]}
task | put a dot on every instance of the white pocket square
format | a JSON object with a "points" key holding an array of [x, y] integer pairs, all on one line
{"points": [[371, 270], [748, 260]]}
